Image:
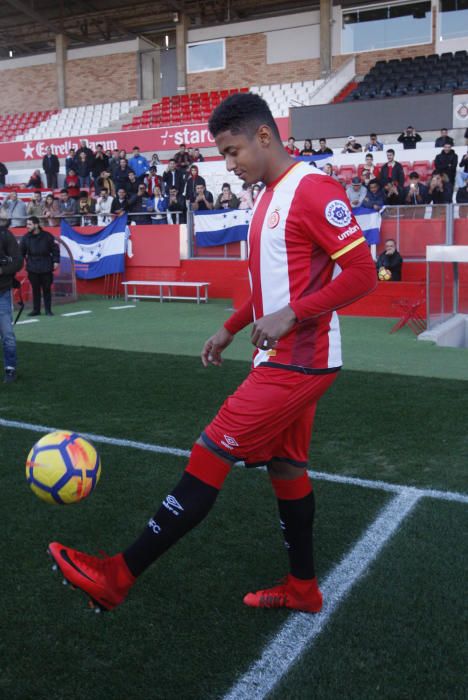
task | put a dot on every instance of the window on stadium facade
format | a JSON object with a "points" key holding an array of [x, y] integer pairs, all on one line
{"points": [[453, 19], [206, 55], [386, 26]]}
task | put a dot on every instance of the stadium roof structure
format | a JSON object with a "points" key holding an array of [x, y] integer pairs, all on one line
{"points": [[29, 27]]}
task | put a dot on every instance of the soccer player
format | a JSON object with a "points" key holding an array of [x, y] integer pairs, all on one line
{"points": [[307, 258]]}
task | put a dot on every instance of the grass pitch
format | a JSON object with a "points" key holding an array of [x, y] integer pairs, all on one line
{"points": [[184, 632]]}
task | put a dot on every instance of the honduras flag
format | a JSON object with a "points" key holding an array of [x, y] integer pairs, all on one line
{"points": [[97, 254], [221, 226], [320, 160], [369, 220]]}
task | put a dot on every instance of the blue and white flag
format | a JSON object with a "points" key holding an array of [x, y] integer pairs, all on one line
{"points": [[369, 220], [97, 254], [221, 226], [320, 159]]}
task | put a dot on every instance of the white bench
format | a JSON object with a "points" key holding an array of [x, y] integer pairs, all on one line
{"points": [[166, 290]]}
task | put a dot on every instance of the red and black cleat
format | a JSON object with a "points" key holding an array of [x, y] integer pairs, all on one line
{"points": [[106, 580]]}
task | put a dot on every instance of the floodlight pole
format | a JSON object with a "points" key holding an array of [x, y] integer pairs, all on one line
{"points": [[325, 37], [61, 43]]}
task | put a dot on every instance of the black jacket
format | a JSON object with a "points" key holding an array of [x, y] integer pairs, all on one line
{"points": [[173, 178], [3, 173], [391, 262], [447, 163], [50, 165], [11, 260], [397, 174], [41, 251]]}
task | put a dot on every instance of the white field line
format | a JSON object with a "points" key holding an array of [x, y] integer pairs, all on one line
{"points": [[300, 631], [319, 476], [23, 323], [117, 308], [77, 313]]}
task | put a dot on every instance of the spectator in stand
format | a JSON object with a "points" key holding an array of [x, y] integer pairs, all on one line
{"points": [[245, 197], [72, 183], [120, 203], [393, 193], [203, 199], [153, 180], [114, 161], [159, 206], [391, 260], [83, 169], [52, 210], [443, 139], [70, 160], [100, 163], [446, 162], [176, 203], [352, 146], [291, 148], [466, 137], [409, 138], [35, 181], [3, 173], [374, 144], [255, 191], [36, 206], [172, 177], [68, 208], [197, 156], [391, 170], [132, 185], [84, 148], [122, 154], [15, 210], [416, 192], [462, 177], [370, 170], [103, 208], [374, 198], [323, 148], [105, 182], [227, 199], [140, 204], [51, 167], [328, 170], [86, 209], [462, 198], [307, 150], [190, 154], [440, 190], [356, 192], [139, 164], [192, 181], [155, 161], [120, 176], [182, 159]]}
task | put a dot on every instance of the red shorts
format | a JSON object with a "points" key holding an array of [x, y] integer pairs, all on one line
{"points": [[269, 416]]}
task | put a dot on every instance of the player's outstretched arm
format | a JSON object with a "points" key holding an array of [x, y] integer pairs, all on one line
{"points": [[214, 346]]}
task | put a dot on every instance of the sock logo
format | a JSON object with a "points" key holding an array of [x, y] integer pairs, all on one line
{"points": [[173, 505], [153, 525]]}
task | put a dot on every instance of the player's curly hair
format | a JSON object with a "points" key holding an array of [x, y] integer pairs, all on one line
{"points": [[243, 112]]}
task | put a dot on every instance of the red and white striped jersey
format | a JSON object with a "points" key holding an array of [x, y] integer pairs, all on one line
{"points": [[301, 224]]}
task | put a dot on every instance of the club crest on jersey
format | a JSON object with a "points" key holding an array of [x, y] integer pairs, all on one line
{"points": [[337, 213], [273, 219]]}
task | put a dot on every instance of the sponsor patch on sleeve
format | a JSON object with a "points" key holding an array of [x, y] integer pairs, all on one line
{"points": [[337, 213]]}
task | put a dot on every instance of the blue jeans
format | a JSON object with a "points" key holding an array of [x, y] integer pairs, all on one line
{"points": [[85, 181], [7, 335]]}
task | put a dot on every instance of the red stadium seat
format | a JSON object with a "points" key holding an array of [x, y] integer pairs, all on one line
{"points": [[346, 173], [423, 168]]}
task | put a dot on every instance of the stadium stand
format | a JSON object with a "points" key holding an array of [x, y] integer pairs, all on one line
{"points": [[71, 121], [14, 125], [197, 106], [413, 76]]}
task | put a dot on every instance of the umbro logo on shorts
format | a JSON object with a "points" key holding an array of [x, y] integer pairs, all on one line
{"points": [[229, 442]]}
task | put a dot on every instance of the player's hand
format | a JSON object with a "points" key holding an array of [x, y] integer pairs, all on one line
{"points": [[269, 329], [56, 265], [214, 346]]}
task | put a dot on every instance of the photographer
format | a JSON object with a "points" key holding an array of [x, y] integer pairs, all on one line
{"points": [[352, 146], [42, 255], [415, 193], [11, 262]]}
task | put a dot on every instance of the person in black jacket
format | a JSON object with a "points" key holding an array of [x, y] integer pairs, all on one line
{"points": [[391, 171], [51, 167], [446, 162], [10, 263], [409, 138], [42, 255], [391, 260], [3, 173]]}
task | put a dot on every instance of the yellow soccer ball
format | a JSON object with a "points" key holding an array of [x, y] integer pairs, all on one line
{"points": [[63, 468], [384, 274]]}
